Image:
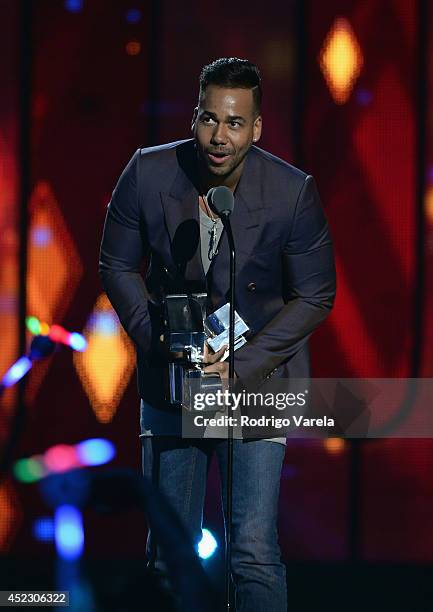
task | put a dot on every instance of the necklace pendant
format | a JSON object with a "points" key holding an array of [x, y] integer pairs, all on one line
{"points": [[212, 243]]}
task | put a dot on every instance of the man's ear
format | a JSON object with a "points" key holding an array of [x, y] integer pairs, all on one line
{"points": [[257, 128], [194, 118]]}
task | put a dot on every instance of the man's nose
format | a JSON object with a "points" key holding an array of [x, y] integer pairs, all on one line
{"points": [[219, 135]]}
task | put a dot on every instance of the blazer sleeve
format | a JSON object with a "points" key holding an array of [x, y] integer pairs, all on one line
{"points": [[123, 248], [310, 283]]}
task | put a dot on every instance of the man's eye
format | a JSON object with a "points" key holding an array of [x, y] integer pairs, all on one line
{"points": [[207, 120], [234, 124]]}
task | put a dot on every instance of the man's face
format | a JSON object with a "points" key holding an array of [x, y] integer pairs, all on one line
{"points": [[224, 126]]}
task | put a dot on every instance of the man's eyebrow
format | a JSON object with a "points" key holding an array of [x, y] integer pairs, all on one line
{"points": [[235, 118], [229, 117]]}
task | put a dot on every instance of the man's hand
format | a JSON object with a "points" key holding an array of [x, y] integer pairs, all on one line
{"points": [[221, 367], [210, 357]]}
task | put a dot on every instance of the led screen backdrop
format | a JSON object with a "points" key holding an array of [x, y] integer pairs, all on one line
{"points": [[360, 124], [9, 194], [9, 245], [340, 101], [361, 139]]}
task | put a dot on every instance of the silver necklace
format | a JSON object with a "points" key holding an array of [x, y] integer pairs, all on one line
{"points": [[213, 246]]}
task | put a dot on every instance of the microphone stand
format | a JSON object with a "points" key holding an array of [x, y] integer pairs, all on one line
{"points": [[229, 488]]}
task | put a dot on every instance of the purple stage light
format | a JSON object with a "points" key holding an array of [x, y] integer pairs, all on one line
{"points": [[133, 15], [16, 372], [41, 236]]}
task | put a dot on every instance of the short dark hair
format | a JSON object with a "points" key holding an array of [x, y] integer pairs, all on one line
{"points": [[233, 72]]}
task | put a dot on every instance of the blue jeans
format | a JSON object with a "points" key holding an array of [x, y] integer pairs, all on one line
{"points": [[179, 468]]}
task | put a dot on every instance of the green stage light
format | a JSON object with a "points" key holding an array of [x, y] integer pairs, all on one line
{"points": [[33, 325], [28, 470]]}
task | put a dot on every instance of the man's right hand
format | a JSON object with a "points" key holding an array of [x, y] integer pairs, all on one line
{"points": [[211, 357]]}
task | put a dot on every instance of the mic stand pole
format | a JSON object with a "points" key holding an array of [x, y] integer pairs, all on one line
{"points": [[229, 495]]}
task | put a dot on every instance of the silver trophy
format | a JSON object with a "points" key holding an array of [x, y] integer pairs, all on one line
{"points": [[187, 329], [217, 327]]}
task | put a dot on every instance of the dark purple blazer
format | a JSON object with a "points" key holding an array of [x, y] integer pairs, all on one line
{"points": [[285, 275]]}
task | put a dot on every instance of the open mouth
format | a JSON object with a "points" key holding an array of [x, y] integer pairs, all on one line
{"points": [[218, 158]]}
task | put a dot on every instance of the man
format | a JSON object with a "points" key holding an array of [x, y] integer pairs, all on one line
{"points": [[285, 283]]}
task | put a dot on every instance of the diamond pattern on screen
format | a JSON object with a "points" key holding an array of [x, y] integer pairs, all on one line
{"points": [[54, 268], [105, 368], [341, 60]]}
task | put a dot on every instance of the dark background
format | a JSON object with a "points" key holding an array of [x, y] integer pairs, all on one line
{"points": [[84, 84]]}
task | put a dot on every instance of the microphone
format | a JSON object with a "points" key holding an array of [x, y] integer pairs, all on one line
{"points": [[221, 200]]}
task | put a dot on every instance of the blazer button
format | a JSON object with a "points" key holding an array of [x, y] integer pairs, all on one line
{"points": [[251, 287]]}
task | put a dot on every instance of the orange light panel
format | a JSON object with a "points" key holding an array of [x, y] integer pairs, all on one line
{"points": [[334, 445], [106, 366], [341, 60], [54, 269]]}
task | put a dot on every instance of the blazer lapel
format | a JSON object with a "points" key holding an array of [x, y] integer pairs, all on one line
{"points": [[182, 221], [245, 219]]}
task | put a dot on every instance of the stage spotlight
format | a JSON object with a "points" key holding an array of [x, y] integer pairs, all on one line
{"points": [[61, 458], [45, 329], [33, 325], [207, 545], [29, 470], [56, 333], [133, 15], [43, 529], [16, 372], [77, 342], [74, 6], [68, 532], [95, 451]]}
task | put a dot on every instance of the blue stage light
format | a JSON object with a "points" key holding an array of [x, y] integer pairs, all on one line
{"points": [[207, 545], [77, 342], [74, 6], [41, 236], [95, 451], [133, 15], [68, 532], [364, 97], [105, 323], [43, 529], [16, 371]]}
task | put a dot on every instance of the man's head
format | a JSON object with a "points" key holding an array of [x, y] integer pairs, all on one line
{"points": [[227, 119]]}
